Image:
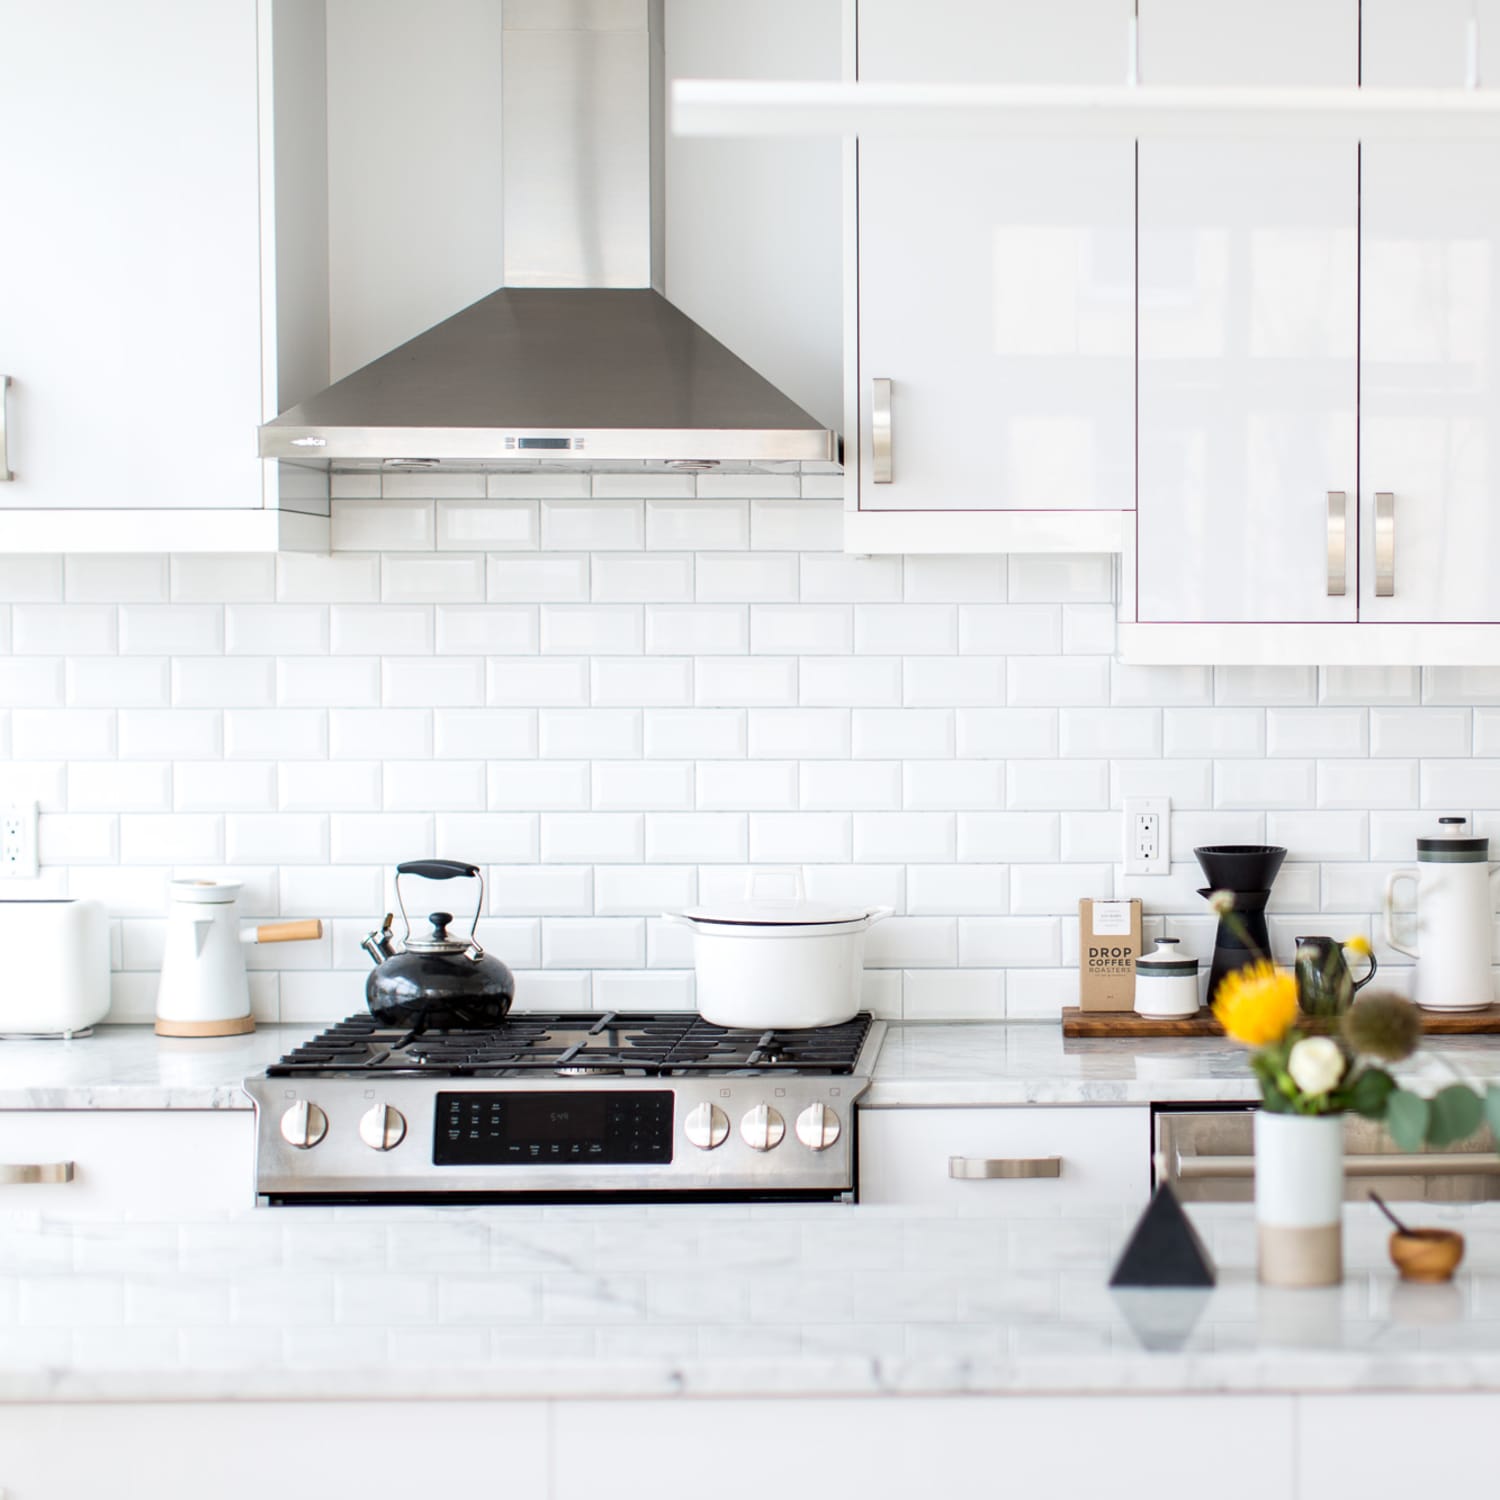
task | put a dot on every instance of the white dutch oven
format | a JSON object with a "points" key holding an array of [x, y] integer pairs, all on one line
{"points": [[766, 964]]}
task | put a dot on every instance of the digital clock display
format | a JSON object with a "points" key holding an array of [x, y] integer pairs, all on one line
{"points": [[557, 1117], [553, 1127]]}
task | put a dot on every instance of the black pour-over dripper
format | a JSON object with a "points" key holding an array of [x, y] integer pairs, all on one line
{"points": [[1246, 872]]}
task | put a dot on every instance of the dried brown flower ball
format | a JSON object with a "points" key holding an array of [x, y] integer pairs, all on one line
{"points": [[1383, 1026]]}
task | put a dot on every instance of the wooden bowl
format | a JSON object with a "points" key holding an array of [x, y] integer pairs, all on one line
{"points": [[1427, 1254]]}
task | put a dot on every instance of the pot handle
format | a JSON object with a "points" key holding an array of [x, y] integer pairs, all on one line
{"points": [[1396, 877], [799, 891], [677, 919], [442, 869], [879, 914]]}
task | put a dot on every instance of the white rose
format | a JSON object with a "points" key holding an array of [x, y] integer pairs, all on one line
{"points": [[1316, 1064]]}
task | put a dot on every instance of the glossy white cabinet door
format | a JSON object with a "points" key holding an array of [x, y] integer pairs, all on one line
{"points": [[1430, 336], [130, 253], [1248, 327], [997, 279]]}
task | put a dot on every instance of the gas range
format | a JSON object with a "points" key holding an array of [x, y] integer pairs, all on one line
{"points": [[563, 1108]]}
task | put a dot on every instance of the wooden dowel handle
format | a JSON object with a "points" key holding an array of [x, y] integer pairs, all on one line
{"points": [[290, 932]]}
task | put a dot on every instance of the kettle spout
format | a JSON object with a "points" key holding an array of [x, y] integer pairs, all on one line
{"points": [[378, 944]]}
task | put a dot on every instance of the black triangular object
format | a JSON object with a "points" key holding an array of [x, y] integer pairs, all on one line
{"points": [[1164, 1248]]}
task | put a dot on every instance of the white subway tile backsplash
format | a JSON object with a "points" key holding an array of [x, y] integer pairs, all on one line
{"points": [[799, 733], [1112, 732], [1010, 629], [850, 681], [696, 838], [1009, 942], [643, 890], [1167, 687], [1189, 783], [592, 629], [132, 682], [1320, 835], [953, 784], [33, 682], [589, 733], [441, 682], [903, 734], [535, 485], [912, 942], [380, 630], [950, 580], [119, 786], [1369, 685], [644, 785], [800, 837], [542, 890], [959, 681], [551, 786], [904, 837], [1320, 732], [1432, 732], [1459, 785], [695, 733], [1043, 784], [1367, 783], [1056, 889], [730, 786], [1261, 784], [348, 891], [593, 838], [456, 786], [553, 683], [309, 682], [838, 578], [229, 785], [1461, 685], [746, 577], [485, 526], [327, 786], [606, 525], [554, 579], [275, 630], [31, 579], [1042, 681], [102, 579], [1266, 685], [432, 578], [855, 785], [811, 630], [174, 734], [1016, 837], [643, 578], [328, 578], [746, 681], [352, 733], [946, 890], [906, 629], [488, 837], [182, 838], [593, 942], [1213, 732], [387, 525], [690, 525], [78, 838], [276, 838], [642, 682], [1090, 836], [1089, 629], [380, 838], [63, 630], [697, 629], [807, 525]]}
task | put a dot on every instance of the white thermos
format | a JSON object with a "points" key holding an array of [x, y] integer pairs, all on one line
{"points": [[204, 990], [1454, 917]]}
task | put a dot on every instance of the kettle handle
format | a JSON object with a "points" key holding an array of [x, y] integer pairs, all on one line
{"points": [[1395, 879], [442, 869]]}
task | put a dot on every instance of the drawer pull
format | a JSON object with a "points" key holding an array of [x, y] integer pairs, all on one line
{"points": [[1009, 1168], [1392, 1164], [35, 1171]]}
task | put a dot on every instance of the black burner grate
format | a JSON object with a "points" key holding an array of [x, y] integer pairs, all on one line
{"points": [[647, 1044]]}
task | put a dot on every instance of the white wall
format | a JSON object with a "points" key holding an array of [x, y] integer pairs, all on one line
{"points": [[615, 703]]}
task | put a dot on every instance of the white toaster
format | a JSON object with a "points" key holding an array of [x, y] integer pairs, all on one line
{"points": [[58, 979]]}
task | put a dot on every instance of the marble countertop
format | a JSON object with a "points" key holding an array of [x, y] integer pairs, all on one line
{"points": [[1030, 1062], [712, 1301], [932, 1063]]}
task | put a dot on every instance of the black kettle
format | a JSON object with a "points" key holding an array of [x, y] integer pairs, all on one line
{"points": [[436, 982]]}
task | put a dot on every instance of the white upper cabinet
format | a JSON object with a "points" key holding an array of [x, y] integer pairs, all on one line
{"points": [[996, 278], [1429, 337], [130, 290], [1249, 378]]}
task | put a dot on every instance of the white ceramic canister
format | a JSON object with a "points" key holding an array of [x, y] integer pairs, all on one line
{"points": [[1299, 1198], [783, 964], [1166, 982], [1454, 918]]}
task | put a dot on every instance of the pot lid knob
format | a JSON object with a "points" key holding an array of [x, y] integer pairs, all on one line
{"points": [[440, 921]]}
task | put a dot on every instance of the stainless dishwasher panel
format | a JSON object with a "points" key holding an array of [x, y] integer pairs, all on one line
{"points": [[1208, 1157]]}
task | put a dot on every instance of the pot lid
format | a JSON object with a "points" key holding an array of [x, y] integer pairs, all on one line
{"points": [[1167, 958], [1453, 844], [438, 941], [753, 911]]}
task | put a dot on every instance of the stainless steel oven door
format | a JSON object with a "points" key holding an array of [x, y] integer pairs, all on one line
{"points": [[1208, 1157]]}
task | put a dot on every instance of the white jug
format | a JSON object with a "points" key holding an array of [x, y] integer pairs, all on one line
{"points": [[1454, 918], [204, 990]]}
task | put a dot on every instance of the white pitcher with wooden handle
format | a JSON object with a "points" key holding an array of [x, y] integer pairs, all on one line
{"points": [[204, 989], [1454, 918]]}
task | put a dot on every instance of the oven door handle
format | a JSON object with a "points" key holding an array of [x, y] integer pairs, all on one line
{"points": [[1374, 1164], [41, 1171], [1003, 1168]]}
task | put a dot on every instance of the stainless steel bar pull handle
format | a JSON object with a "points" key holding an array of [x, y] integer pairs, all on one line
{"points": [[1385, 544], [1338, 543], [880, 430], [5, 475], [1391, 1164], [38, 1171], [988, 1168]]}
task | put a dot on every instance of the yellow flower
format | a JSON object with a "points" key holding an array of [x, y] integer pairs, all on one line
{"points": [[1358, 944], [1257, 1005]]}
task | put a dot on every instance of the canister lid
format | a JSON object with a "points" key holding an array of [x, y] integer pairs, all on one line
{"points": [[760, 912], [1453, 844], [1166, 958]]}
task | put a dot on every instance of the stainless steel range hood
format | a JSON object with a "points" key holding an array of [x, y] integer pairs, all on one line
{"points": [[578, 360]]}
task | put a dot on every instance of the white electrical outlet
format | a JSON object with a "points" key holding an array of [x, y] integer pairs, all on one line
{"points": [[18, 860], [1148, 835]]}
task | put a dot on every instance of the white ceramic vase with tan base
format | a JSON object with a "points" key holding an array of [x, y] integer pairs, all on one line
{"points": [[1299, 1198]]}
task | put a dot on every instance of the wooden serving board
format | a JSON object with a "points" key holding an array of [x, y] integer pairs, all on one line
{"points": [[1126, 1024]]}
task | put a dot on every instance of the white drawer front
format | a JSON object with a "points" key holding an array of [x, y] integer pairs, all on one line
{"points": [[1102, 1156], [145, 1164]]}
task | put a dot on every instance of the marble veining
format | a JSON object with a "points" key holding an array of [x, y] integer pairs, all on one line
{"points": [[950, 1063], [1030, 1062], [614, 1300]]}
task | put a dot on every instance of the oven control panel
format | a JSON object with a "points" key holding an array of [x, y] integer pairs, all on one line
{"points": [[552, 1128]]}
